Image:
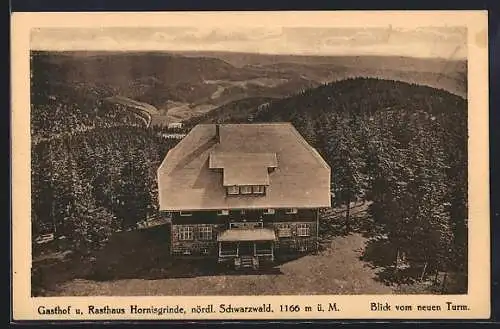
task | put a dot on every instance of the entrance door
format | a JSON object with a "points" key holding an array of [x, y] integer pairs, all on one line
{"points": [[246, 249]]}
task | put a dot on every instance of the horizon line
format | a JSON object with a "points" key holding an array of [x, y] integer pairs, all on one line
{"points": [[166, 51]]}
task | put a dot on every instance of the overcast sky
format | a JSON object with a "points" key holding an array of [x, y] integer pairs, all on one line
{"points": [[446, 42]]}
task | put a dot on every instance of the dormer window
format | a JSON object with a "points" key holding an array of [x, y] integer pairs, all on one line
{"points": [[291, 211], [258, 189], [243, 173], [186, 213], [233, 190], [245, 189], [223, 212]]}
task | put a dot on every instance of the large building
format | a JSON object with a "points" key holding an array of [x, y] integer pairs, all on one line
{"points": [[243, 193]]}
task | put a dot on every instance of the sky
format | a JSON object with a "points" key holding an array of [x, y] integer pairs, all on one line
{"points": [[428, 42]]}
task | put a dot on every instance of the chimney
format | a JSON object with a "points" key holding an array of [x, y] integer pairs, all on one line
{"points": [[217, 133]]}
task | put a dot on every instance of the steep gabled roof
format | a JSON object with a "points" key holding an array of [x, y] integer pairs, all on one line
{"points": [[244, 152]]}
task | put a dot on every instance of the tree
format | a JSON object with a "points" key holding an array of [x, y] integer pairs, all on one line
{"points": [[409, 193], [88, 225], [132, 196], [344, 155]]}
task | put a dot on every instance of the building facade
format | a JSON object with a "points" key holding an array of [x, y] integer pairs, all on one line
{"points": [[243, 194]]}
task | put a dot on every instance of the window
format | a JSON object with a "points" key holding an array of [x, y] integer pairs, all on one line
{"points": [[291, 211], [269, 212], [258, 189], [245, 189], [284, 231], [232, 190], [223, 212], [205, 233], [185, 233], [186, 213], [303, 230]]}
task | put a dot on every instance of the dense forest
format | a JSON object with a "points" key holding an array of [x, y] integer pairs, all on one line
{"points": [[402, 147], [93, 167]]}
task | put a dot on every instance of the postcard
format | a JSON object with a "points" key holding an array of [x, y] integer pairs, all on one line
{"points": [[250, 165]]}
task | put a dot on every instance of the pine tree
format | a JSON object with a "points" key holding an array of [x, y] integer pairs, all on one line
{"points": [[132, 195], [343, 154]]}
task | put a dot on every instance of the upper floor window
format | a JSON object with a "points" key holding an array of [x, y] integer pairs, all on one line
{"points": [[284, 230], [205, 232], [303, 230], [245, 189], [269, 212], [223, 212], [186, 213], [291, 211], [185, 233], [232, 190]]}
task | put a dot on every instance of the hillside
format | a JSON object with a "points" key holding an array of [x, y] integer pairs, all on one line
{"points": [[440, 73], [183, 85], [402, 147], [237, 111], [179, 87], [364, 96]]}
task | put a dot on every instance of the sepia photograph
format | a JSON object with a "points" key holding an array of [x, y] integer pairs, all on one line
{"points": [[250, 160]]}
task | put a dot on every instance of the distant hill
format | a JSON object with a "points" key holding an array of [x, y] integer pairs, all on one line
{"points": [[362, 96], [441, 73], [383, 62], [190, 84], [236, 111]]}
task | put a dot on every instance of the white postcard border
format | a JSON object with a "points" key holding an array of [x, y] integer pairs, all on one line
{"points": [[477, 300]]}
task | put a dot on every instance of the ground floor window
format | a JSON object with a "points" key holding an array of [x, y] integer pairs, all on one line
{"points": [[303, 229], [185, 233], [228, 248], [305, 245], [263, 248]]}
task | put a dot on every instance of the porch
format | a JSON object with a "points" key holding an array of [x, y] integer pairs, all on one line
{"points": [[246, 246]]}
